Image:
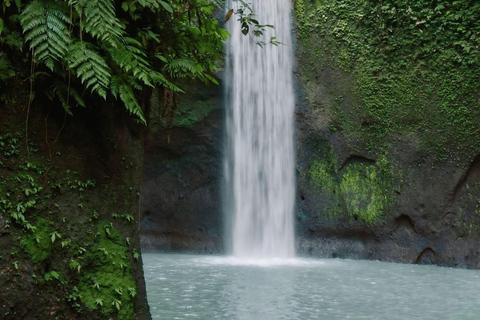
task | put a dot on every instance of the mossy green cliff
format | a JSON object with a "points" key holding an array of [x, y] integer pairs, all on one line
{"points": [[400, 68], [388, 121], [69, 244]]}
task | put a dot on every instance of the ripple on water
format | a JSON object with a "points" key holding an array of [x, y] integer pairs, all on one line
{"points": [[212, 287]]}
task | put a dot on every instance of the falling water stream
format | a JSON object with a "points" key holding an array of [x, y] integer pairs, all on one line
{"points": [[259, 163]]}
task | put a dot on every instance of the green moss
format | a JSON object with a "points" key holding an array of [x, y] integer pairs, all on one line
{"points": [[467, 209], [38, 243], [106, 284], [187, 114], [91, 260], [362, 191], [414, 70], [323, 175]]}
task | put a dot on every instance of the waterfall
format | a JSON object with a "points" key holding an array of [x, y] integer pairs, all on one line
{"points": [[260, 160]]}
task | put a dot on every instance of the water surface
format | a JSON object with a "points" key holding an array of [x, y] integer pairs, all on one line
{"points": [[212, 287]]}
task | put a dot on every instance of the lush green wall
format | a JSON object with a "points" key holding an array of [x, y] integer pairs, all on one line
{"points": [[413, 69], [69, 210], [388, 130]]}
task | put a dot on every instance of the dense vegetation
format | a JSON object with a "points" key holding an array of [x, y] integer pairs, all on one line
{"points": [[62, 236], [415, 66], [107, 48], [388, 77]]}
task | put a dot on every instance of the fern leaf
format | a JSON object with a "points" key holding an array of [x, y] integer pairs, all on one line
{"points": [[61, 90], [155, 5], [209, 77], [45, 25], [90, 67], [179, 68], [6, 70], [14, 40], [159, 78], [132, 59], [100, 20], [126, 94]]}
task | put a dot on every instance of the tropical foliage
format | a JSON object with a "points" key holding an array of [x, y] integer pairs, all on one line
{"points": [[111, 49]]}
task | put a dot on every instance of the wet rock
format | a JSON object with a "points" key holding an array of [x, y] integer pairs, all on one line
{"points": [[181, 191]]}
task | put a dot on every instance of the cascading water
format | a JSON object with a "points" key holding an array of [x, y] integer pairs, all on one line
{"points": [[259, 161]]}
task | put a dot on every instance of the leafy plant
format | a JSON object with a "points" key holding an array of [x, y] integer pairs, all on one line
{"points": [[55, 235], [52, 275], [115, 49]]}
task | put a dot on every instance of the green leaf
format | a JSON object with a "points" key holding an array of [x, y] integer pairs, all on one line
{"points": [[245, 28], [54, 235], [223, 33], [166, 6], [46, 28], [131, 103], [90, 67], [101, 21]]}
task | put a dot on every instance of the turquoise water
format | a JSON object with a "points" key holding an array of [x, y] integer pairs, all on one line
{"points": [[214, 287]]}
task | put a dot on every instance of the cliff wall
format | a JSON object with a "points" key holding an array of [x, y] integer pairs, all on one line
{"points": [[388, 151]]}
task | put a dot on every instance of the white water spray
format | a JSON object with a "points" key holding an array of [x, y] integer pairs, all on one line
{"points": [[259, 161]]}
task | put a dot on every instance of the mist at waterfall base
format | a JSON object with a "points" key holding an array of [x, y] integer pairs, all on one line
{"points": [[209, 287]]}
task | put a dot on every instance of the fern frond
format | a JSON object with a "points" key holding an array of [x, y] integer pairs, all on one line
{"points": [[6, 70], [126, 94], [155, 5], [62, 91], [180, 68], [14, 40], [100, 20], [210, 78], [159, 78], [183, 67], [90, 67], [132, 59], [45, 26]]}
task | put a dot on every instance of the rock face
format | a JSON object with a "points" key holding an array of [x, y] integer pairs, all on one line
{"points": [[181, 190], [433, 216], [78, 190], [387, 145], [420, 210], [388, 155]]}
